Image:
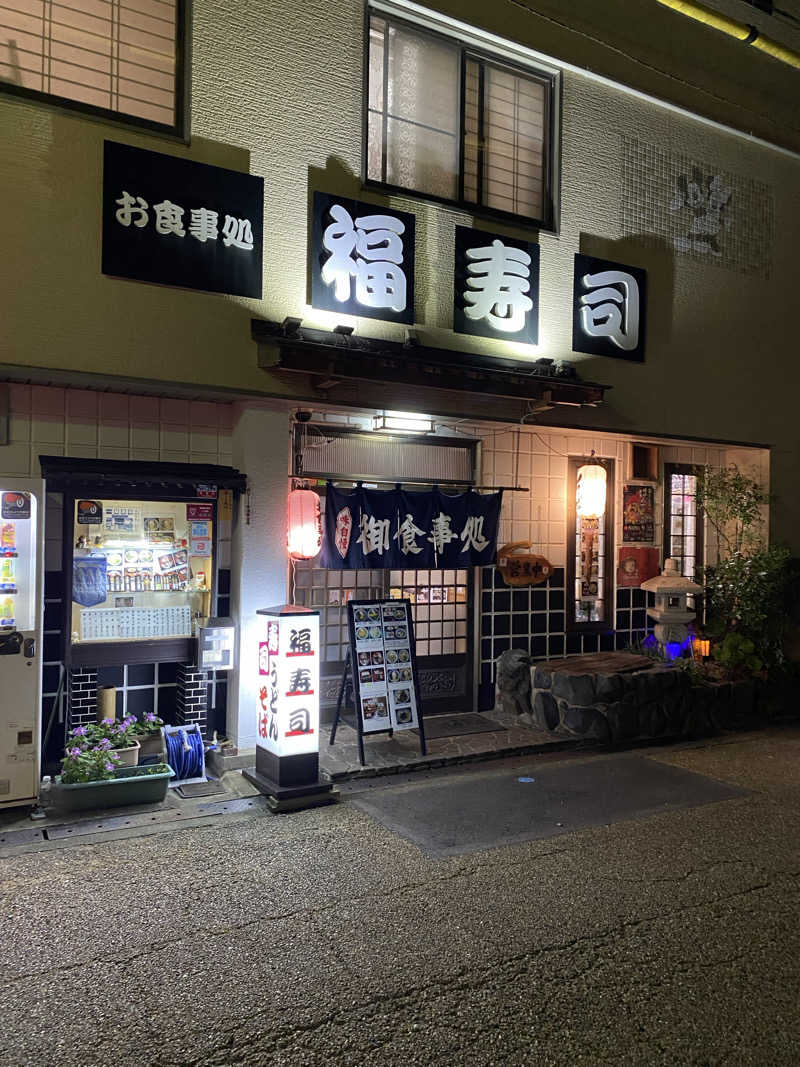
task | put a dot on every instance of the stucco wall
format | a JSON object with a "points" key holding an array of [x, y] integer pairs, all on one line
{"points": [[275, 93]]}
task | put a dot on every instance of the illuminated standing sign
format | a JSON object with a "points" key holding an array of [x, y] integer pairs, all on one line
{"points": [[495, 286], [608, 308], [362, 259], [288, 685], [287, 710]]}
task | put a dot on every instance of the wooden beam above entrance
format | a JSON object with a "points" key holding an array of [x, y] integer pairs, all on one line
{"points": [[334, 360]]}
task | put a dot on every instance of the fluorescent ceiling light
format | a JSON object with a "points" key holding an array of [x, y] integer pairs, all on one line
{"points": [[403, 422]]}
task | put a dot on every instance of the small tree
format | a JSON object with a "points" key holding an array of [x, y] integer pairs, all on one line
{"points": [[733, 505], [747, 587]]}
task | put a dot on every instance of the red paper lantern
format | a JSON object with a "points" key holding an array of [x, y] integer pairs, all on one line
{"points": [[305, 524]]}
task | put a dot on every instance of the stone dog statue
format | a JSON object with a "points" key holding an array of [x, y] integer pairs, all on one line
{"points": [[513, 692]]}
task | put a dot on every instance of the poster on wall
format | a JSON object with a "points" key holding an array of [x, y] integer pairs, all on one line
{"points": [[362, 259], [176, 222], [383, 658], [372, 528], [495, 286], [89, 512], [638, 513], [122, 519], [636, 565]]}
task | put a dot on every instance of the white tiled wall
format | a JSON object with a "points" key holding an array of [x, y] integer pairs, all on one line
{"points": [[541, 466], [47, 420]]}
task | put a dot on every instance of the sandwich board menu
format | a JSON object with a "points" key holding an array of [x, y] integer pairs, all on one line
{"points": [[384, 669]]}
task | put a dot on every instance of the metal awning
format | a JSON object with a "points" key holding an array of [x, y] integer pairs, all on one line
{"points": [[75, 475], [334, 358]]}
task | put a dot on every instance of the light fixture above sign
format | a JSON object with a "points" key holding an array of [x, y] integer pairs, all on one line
{"points": [[403, 422]]}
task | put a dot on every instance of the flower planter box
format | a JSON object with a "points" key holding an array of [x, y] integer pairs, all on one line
{"points": [[131, 785], [152, 745], [128, 757]]}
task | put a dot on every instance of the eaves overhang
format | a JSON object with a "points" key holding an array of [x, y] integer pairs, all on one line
{"points": [[331, 358]]}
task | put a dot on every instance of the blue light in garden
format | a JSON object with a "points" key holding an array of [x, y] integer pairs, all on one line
{"points": [[649, 641], [675, 649]]}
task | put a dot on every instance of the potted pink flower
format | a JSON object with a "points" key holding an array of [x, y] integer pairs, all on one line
{"points": [[147, 731], [109, 735]]}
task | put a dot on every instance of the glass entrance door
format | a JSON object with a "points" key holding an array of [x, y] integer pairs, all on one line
{"points": [[441, 608]]}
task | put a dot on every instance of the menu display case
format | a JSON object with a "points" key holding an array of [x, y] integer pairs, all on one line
{"points": [[141, 569], [140, 546]]}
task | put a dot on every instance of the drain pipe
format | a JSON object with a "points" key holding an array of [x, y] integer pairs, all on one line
{"points": [[742, 31]]}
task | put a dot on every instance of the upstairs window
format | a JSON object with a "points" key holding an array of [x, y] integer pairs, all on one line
{"points": [[449, 123], [120, 59]]}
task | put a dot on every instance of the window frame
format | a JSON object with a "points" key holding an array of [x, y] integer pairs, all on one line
{"points": [[549, 78], [700, 522], [607, 625], [180, 130]]}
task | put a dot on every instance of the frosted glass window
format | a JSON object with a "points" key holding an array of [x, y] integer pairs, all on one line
{"points": [[113, 55], [447, 123]]}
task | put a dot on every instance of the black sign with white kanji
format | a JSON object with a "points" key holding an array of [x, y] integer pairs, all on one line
{"points": [[177, 222], [495, 286], [362, 259], [608, 308]]}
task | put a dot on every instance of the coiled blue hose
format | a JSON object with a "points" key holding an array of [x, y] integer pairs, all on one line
{"points": [[185, 754]]}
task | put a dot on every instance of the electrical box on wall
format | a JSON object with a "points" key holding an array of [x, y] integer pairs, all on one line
{"points": [[642, 462], [215, 645]]}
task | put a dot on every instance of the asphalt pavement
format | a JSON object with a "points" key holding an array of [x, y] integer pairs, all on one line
{"points": [[667, 935]]}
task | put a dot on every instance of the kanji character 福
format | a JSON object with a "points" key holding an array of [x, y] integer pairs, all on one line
{"points": [[375, 240]]}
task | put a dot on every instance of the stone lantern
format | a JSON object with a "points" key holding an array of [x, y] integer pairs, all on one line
{"points": [[671, 610]]}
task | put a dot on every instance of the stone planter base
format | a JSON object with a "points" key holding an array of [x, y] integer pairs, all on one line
{"points": [[621, 697], [129, 786]]}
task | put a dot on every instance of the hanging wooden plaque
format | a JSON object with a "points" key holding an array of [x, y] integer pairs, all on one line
{"points": [[519, 567]]}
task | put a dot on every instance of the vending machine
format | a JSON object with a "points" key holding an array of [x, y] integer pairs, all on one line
{"points": [[21, 607]]}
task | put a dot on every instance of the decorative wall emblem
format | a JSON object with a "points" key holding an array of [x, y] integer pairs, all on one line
{"points": [[362, 259], [608, 308], [495, 286], [438, 681], [697, 208]]}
